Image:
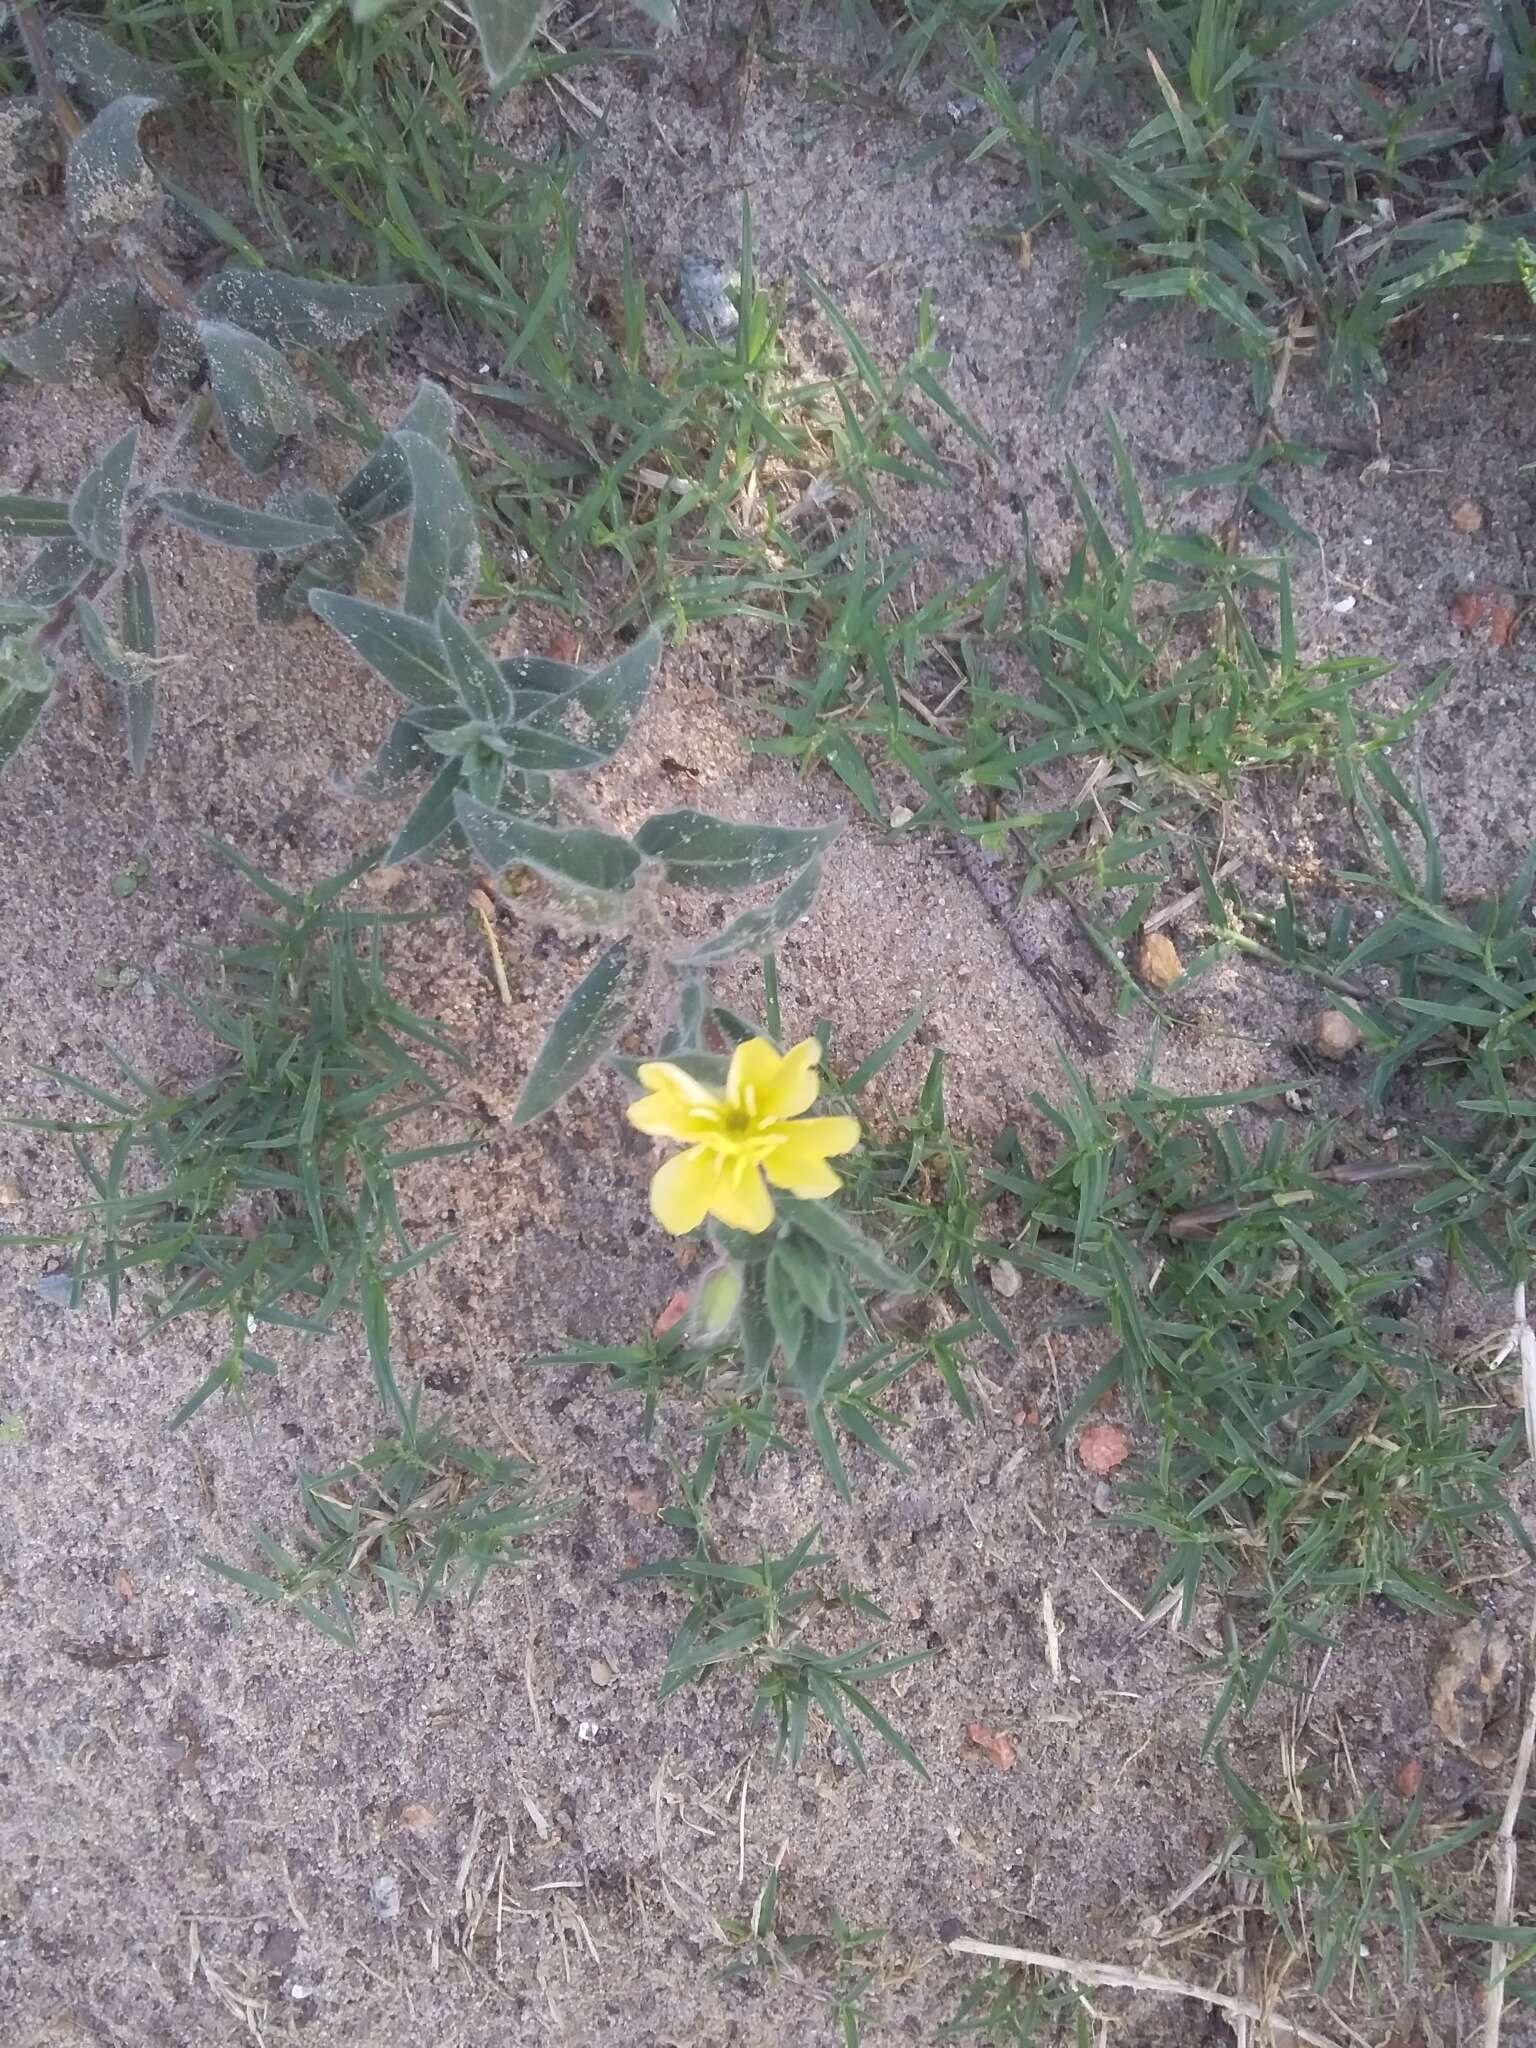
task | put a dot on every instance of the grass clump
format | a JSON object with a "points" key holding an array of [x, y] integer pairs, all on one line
{"points": [[264, 1194]]}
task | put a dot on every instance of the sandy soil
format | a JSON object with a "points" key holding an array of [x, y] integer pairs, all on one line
{"points": [[199, 1797]]}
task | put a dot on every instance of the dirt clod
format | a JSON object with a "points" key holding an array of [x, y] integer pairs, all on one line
{"points": [[1474, 1691], [1335, 1035], [1103, 1447], [1157, 960]]}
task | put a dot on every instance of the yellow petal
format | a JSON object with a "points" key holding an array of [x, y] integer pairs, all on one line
{"points": [[769, 1084], [740, 1198], [809, 1140], [674, 1106], [683, 1191], [663, 1116], [662, 1078], [811, 1179]]}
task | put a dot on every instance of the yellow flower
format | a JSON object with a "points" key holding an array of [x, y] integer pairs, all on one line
{"points": [[737, 1137]]}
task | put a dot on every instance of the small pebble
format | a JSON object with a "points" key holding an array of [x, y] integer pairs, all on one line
{"points": [[602, 1671], [901, 816], [1467, 517], [57, 1289], [1005, 1279], [386, 1898], [704, 302], [1158, 960], [1334, 1035]]}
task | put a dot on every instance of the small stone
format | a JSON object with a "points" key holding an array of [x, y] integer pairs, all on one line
{"points": [[1408, 1777], [1467, 517], [901, 816], [1004, 1278], [586, 1731], [602, 1671], [57, 1289], [386, 1898], [705, 304], [1335, 1036], [419, 1819], [1158, 960], [10, 1194]]}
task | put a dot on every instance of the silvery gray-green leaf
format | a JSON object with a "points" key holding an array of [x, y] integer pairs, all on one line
{"points": [[126, 661], [432, 820], [239, 526], [818, 1348], [405, 759], [545, 753], [13, 616], [26, 684], [295, 312], [381, 487], [442, 561], [99, 69], [405, 651], [756, 931], [588, 1026], [701, 852], [599, 709], [108, 184], [53, 572], [536, 675], [96, 510], [600, 867], [480, 683], [86, 338], [27, 518], [823, 1222], [284, 580], [506, 28], [259, 399]]}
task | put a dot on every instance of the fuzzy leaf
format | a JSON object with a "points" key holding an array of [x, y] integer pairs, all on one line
{"points": [[536, 675], [443, 559], [99, 70], [406, 652], [505, 28], [381, 488], [755, 931], [33, 518], [481, 688], [432, 820], [87, 337], [96, 510], [260, 403], [598, 710], [701, 852], [294, 312], [593, 1018], [599, 867], [284, 580], [406, 758], [14, 616], [26, 684], [108, 184], [133, 669], [814, 1358], [239, 526], [848, 1246], [53, 572]]}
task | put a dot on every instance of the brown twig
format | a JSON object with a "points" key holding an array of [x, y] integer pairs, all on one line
{"points": [[1085, 1030], [1111, 1976], [1198, 1223], [1505, 1856], [34, 41]]}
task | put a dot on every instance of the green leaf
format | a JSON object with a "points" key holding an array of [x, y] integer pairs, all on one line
{"points": [[375, 1307], [442, 562], [405, 758], [284, 580], [133, 669], [848, 1246], [598, 710], [815, 1359], [505, 28], [757, 930], [484, 693], [107, 183], [594, 870], [239, 526], [537, 675], [101, 71], [381, 488], [33, 518], [406, 652], [701, 852], [53, 572], [432, 820], [586, 1028], [96, 510], [259, 400], [26, 684], [86, 338], [294, 312]]}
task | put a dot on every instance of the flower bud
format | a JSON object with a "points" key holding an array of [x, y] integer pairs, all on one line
{"points": [[715, 1304]]}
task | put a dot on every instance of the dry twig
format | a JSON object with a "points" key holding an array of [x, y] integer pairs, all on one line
{"points": [[1504, 1852]]}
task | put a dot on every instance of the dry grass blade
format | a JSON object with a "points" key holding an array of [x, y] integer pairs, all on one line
{"points": [[1111, 1976], [1504, 1846]]}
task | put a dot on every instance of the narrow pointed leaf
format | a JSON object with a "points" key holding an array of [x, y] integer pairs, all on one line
{"points": [[86, 338], [432, 820], [33, 518], [108, 183], [381, 488], [239, 526], [537, 675], [406, 652], [133, 670], [484, 693], [259, 400], [599, 866], [26, 684], [405, 759], [755, 931], [53, 572], [598, 710], [295, 312], [96, 510], [837, 1236], [442, 562], [701, 852], [506, 28], [586, 1028]]}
